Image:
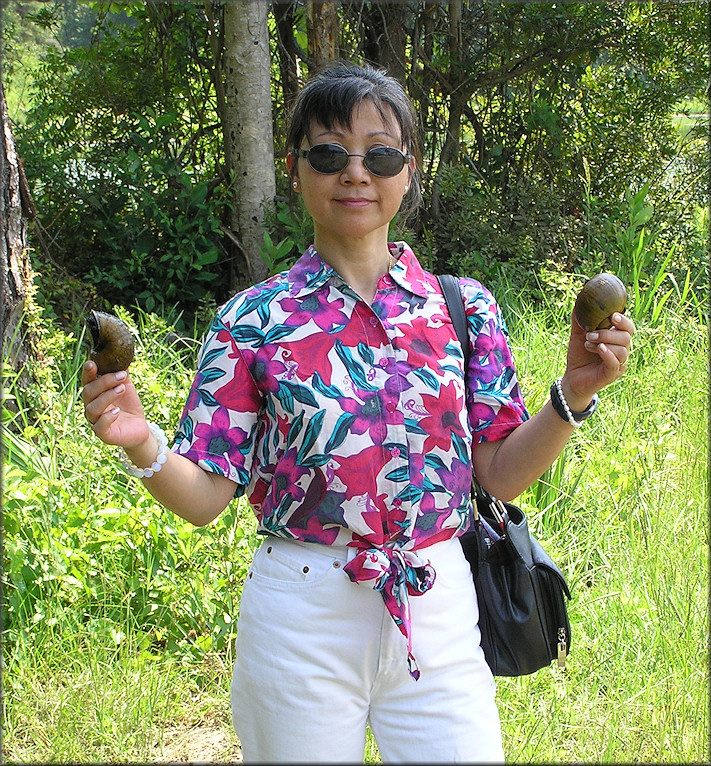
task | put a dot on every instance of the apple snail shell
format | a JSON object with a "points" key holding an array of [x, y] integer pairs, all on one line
{"points": [[600, 297], [112, 341]]}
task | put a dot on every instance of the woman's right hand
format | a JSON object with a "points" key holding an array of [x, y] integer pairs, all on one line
{"points": [[112, 407]]}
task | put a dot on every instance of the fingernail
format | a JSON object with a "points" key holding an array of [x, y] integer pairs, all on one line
{"points": [[121, 375], [120, 389], [593, 335], [616, 317], [114, 410]]}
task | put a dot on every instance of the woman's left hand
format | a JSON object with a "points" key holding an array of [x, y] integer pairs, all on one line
{"points": [[596, 359]]}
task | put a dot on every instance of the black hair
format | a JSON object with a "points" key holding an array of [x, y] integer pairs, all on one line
{"points": [[333, 93]]}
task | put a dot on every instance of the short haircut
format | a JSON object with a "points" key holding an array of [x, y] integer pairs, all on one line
{"points": [[331, 96]]}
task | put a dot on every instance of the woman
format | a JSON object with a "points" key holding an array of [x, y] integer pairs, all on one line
{"points": [[333, 395]]}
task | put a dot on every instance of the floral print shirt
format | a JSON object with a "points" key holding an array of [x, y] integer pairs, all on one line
{"points": [[350, 424]]}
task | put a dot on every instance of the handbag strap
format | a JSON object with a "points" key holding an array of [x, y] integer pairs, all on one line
{"points": [[455, 305]]}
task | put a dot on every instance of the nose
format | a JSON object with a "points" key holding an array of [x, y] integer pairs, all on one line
{"points": [[355, 171]]}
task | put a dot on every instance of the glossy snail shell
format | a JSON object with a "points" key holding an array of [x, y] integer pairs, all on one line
{"points": [[112, 342], [600, 297]]}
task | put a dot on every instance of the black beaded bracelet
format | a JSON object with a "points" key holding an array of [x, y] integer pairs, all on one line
{"points": [[560, 405]]}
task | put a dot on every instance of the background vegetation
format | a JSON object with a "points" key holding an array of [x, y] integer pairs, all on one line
{"points": [[537, 120], [579, 144]]}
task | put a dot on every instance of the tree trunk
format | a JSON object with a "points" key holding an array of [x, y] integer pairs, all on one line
{"points": [[15, 208], [288, 52], [385, 27], [322, 31], [249, 133]]}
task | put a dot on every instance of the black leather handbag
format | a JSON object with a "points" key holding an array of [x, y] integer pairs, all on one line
{"points": [[523, 616]]}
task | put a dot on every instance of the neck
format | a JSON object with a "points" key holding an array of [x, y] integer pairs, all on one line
{"points": [[360, 263]]}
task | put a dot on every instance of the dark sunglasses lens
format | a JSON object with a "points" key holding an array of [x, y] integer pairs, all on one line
{"points": [[384, 161], [328, 158]]}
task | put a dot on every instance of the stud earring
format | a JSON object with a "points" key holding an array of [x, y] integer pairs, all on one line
{"points": [[295, 184], [406, 188]]}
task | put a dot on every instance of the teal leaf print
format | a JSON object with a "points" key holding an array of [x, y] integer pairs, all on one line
{"points": [[427, 377], [185, 431], [410, 494], [332, 392], [412, 426], [399, 474], [286, 398], [300, 393], [460, 446], [354, 369], [452, 368], [434, 461], [340, 431], [207, 398], [212, 466], [211, 355], [277, 333], [294, 429], [313, 429], [246, 334], [212, 374], [366, 354]]}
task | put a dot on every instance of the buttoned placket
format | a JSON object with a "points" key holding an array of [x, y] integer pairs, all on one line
{"points": [[390, 356]]}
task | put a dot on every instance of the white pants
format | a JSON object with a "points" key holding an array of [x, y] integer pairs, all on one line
{"points": [[318, 657]]}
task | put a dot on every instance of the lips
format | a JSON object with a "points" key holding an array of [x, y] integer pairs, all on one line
{"points": [[354, 201]]}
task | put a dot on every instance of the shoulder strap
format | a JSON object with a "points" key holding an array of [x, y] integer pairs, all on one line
{"points": [[455, 306]]}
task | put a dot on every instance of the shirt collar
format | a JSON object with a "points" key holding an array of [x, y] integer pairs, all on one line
{"points": [[311, 272]]}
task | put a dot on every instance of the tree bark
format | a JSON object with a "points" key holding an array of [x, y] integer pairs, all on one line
{"points": [[288, 52], [15, 209], [385, 27], [322, 30], [249, 133]]}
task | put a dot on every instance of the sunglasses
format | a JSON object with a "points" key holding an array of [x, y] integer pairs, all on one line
{"points": [[381, 161]]}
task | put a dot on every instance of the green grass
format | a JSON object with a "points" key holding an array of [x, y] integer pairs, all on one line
{"points": [[119, 617]]}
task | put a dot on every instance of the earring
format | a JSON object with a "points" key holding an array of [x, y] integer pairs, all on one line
{"points": [[406, 188], [295, 184]]}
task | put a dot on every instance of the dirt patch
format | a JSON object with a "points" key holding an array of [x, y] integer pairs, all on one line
{"points": [[199, 744]]}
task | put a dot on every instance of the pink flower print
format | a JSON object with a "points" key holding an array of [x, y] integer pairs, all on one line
{"points": [[447, 405], [265, 369], [373, 414], [219, 441], [319, 307]]}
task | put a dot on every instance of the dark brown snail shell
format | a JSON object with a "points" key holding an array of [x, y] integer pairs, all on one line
{"points": [[600, 297], [112, 341]]}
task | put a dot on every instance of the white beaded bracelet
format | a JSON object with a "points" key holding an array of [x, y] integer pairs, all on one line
{"points": [[158, 463], [560, 405], [564, 403]]}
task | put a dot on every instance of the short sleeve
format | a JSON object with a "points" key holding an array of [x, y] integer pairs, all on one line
{"points": [[219, 423], [494, 399]]}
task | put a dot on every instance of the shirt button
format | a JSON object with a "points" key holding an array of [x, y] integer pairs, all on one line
{"points": [[337, 564], [397, 502], [395, 452], [373, 322], [383, 362], [391, 406]]}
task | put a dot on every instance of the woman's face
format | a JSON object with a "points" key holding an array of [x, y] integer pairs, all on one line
{"points": [[352, 203]]}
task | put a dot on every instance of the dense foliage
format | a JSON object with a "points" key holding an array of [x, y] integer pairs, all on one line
{"points": [[539, 120]]}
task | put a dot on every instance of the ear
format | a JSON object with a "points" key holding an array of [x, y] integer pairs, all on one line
{"points": [[291, 168], [412, 167]]}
